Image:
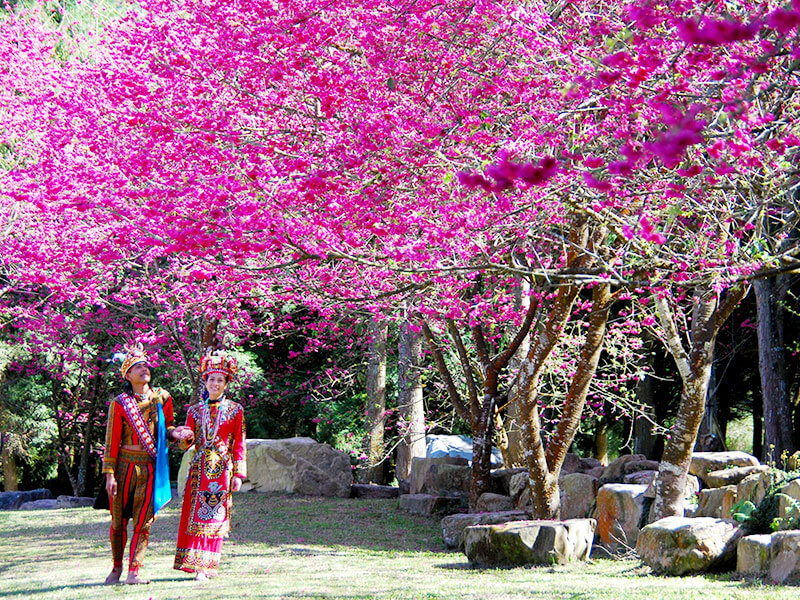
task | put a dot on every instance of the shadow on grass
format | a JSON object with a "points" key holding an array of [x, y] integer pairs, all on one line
{"points": [[30, 593], [272, 520]]}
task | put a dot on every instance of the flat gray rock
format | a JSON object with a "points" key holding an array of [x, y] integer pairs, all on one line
{"points": [[453, 526], [752, 555], [73, 501], [428, 504], [732, 476], [45, 504], [535, 542], [680, 546]]}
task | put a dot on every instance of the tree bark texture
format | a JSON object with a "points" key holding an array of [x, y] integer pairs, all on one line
{"points": [[772, 368], [410, 402], [376, 402], [543, 486]]}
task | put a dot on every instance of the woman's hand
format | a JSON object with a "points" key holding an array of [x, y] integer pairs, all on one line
{"points": [[183, 433], [236, 484]]}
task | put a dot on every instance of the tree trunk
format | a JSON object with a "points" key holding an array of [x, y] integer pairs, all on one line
{"points": [[410, 404], [543, 486], [9, 469], [376, 402], [772, 368], [694, 366], [575, 399], [514, 452], [758, 431], [481, 481]]}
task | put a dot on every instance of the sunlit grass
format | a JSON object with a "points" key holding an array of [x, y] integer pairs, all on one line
{"points": [[299, 547]]}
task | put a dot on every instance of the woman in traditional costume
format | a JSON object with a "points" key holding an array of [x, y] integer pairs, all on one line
{"points": [[217, 469]]}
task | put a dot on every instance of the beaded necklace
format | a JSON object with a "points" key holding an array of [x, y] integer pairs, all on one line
{"points": [[210, 431]]}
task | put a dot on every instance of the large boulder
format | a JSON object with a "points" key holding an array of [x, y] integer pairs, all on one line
{"points": [[518, 486], [732, 476], [752, 555], [441, 476], [453, 526], [754, 487], [789, 504], [43, 504], [716, 502], [455, 446], [13, 500], [529, 542], [501, 479], [493, 503], [640, 477], [784, 556], [427, 504], [706, 462], [73, 501], [298, 466], [619, 511], [616, 470], [677, 545], [578, 491]]}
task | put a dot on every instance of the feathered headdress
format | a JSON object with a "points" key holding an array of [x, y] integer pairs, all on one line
{"points": [[218, 362], [134, 354]]}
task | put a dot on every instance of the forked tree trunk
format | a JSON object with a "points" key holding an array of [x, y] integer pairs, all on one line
{"points": [[544, 464], [694, 367], [409, 401]]}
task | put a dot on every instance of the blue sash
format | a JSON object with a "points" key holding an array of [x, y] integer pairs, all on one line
{"points": [[162, 493]]}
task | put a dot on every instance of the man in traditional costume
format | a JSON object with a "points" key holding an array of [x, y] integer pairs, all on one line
{"points": [[140, 420], [218, 467]]}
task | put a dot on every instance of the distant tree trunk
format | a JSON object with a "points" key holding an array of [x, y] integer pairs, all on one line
{"points": [[601, 440], [376, 402], [694, 367], [513, 449], [644, 440], [410, 405], [9, 469], [772, 368]]}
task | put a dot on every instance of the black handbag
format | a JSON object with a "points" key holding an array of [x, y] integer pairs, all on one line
{"points": [[101, 500]]}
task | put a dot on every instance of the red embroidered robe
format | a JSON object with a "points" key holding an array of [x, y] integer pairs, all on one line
{"points": [[207, 501]]}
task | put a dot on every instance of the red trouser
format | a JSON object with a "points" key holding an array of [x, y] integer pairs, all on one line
{"points": [[135, 477]]}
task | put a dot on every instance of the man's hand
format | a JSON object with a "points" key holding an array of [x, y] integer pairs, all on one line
{"points": [[236, 484], [111, 485]]}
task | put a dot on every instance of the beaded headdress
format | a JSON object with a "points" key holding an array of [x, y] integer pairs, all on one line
{"points": [[218, 362], [134, 354]]}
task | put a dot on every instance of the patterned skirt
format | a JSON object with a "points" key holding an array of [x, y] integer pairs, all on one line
{"points": [[205, 515]]}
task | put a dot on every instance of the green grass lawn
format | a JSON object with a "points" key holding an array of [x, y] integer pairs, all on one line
{"points": [[299, 547]]}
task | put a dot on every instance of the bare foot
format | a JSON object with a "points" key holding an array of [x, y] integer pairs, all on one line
{"points": [[133, 579], [200, 576], [114, 576]]}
